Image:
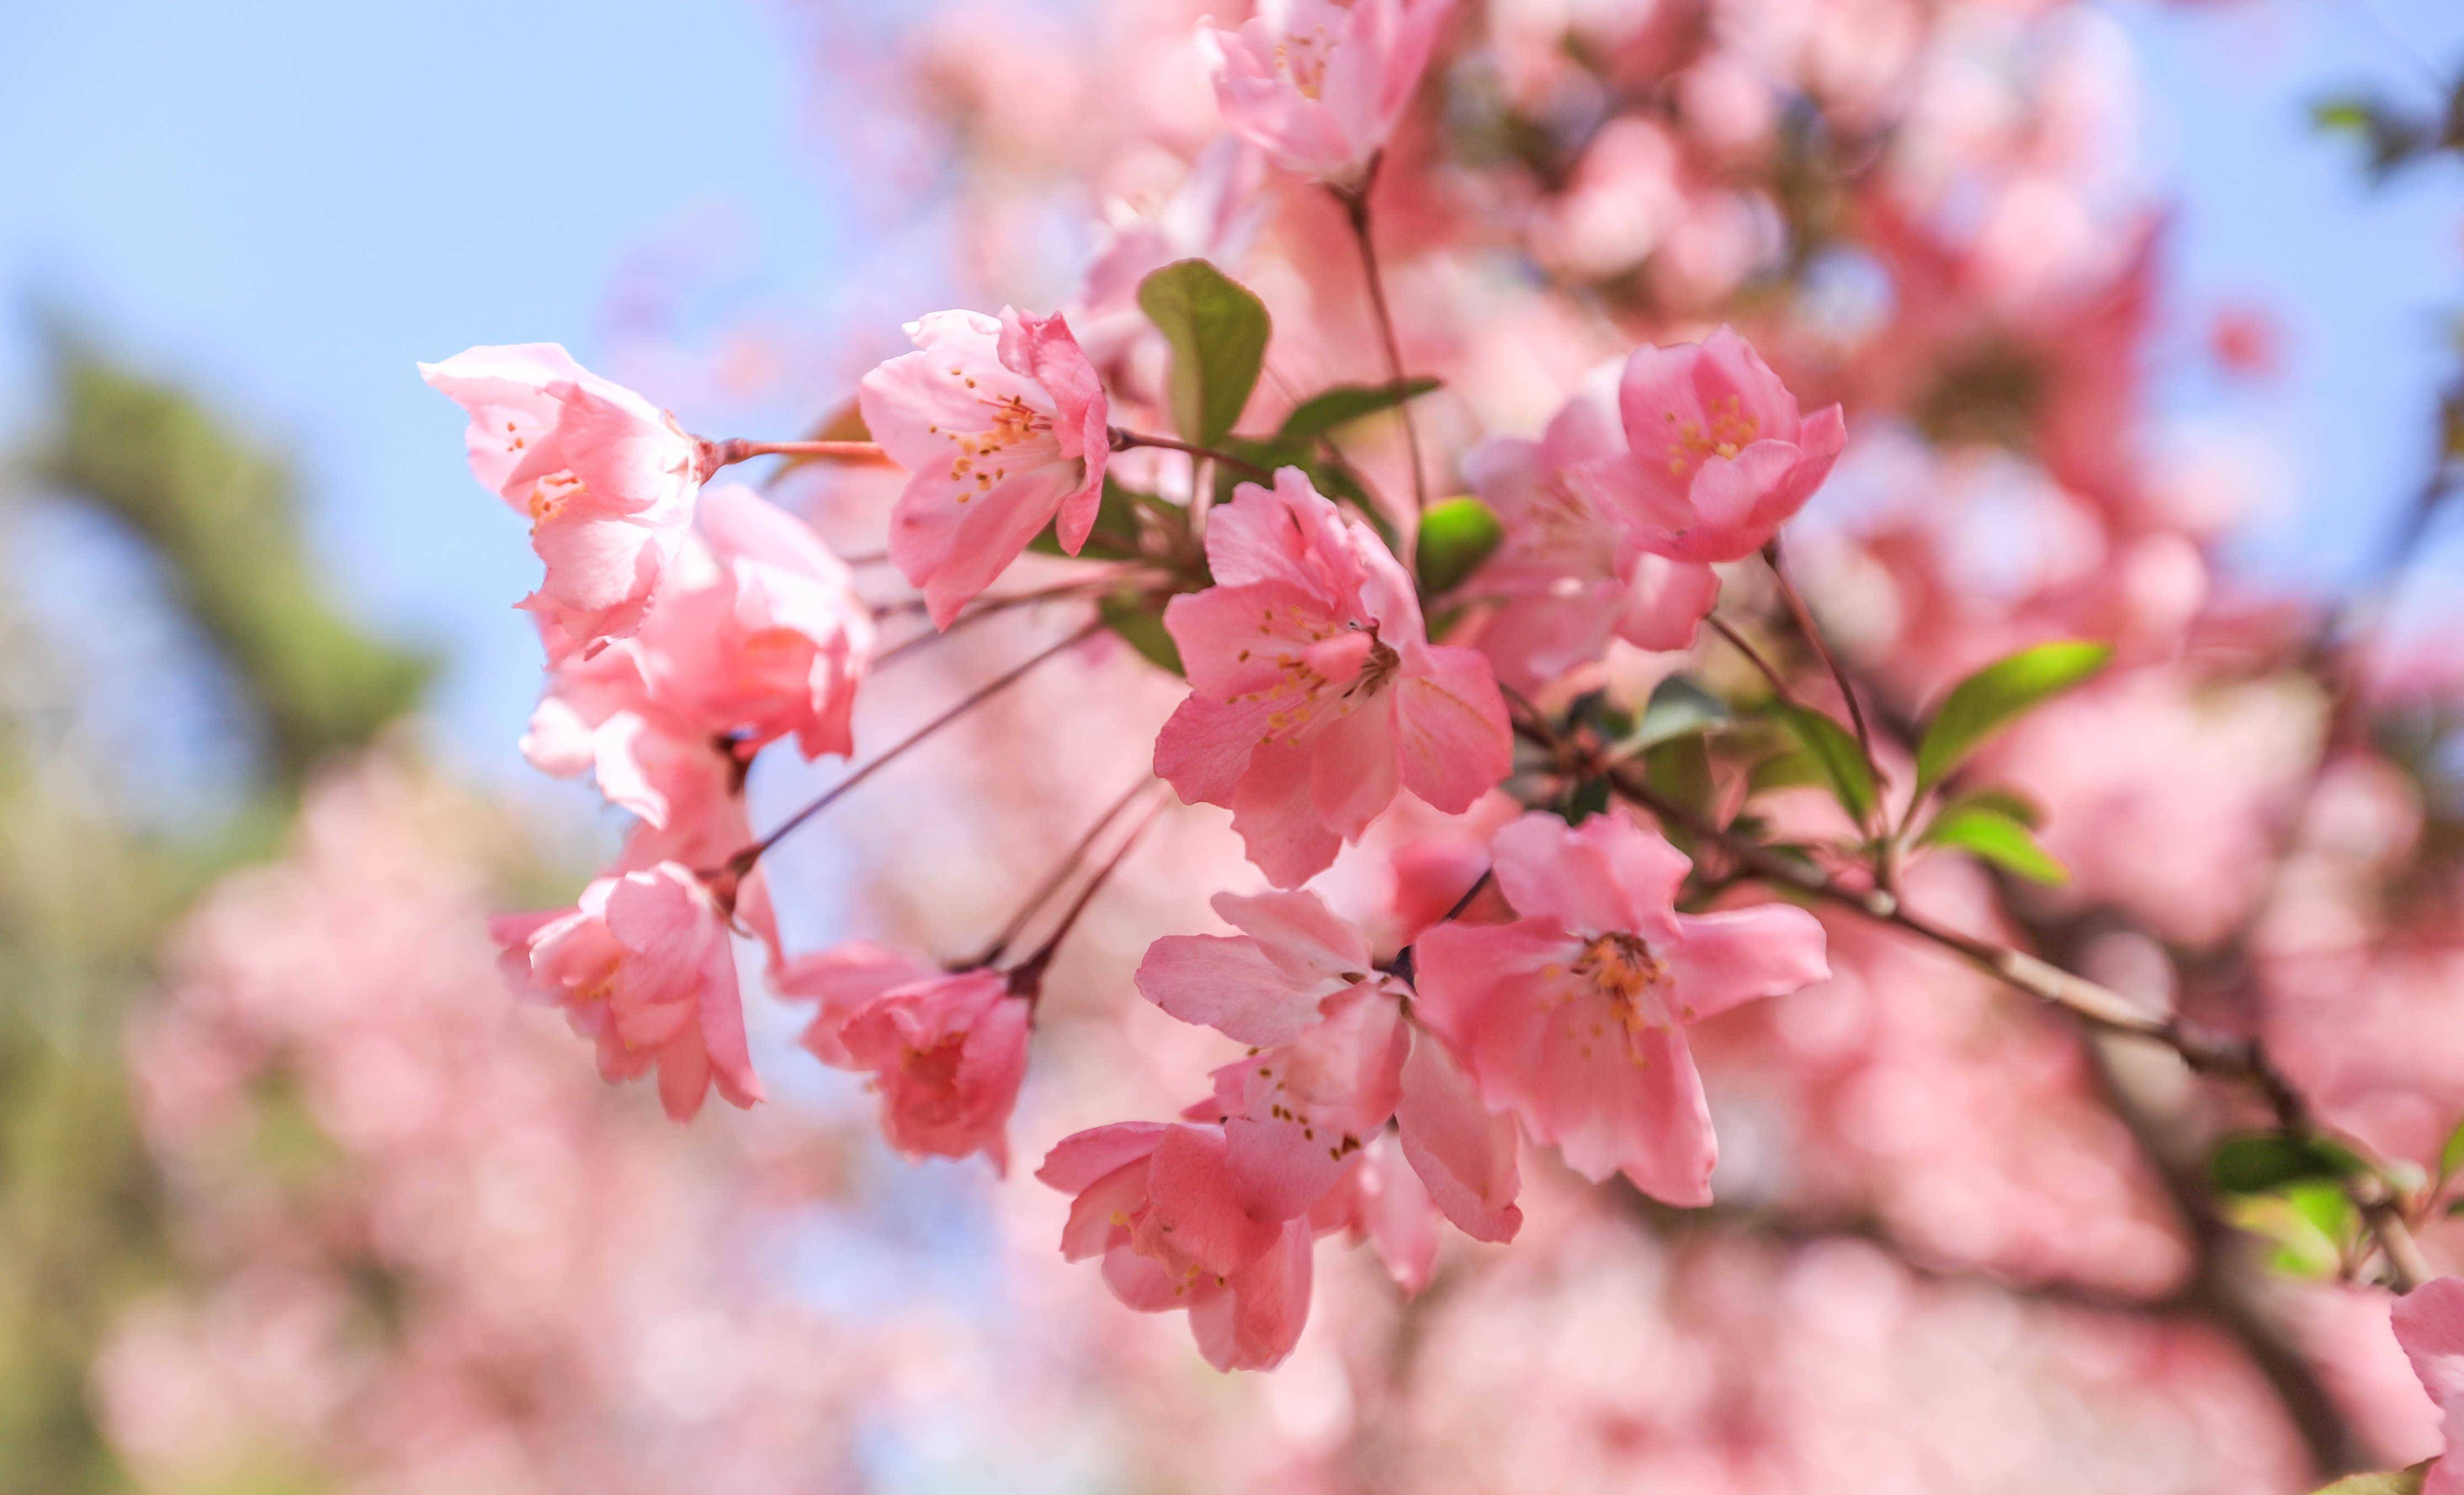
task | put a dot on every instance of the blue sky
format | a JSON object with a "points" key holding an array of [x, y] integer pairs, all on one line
{"points": [[290, 201]]}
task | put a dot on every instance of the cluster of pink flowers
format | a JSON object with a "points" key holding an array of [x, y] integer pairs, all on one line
{"points": [[1561, 745]]}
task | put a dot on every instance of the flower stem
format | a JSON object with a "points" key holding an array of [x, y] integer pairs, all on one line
{"points": [[1354, 199], [1803, 617], [1124, 440], [1059, 873], [716, 455], [1027, 978], [742, 861]]}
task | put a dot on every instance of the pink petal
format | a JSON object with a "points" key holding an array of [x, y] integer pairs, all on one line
{"points": [[1605, 876], [1722, 960], [1464, 1155]]}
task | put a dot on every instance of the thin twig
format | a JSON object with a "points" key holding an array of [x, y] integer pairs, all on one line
{"points": [[1355, 212], [742, 861], [1124, 440], [1059, 873]]}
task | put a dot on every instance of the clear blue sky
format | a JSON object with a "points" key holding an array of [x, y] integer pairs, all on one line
{"points": [[290, 201]]}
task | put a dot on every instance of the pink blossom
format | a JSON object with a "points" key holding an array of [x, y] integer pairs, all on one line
{"points": [[947, 1049], [644, 966], [606, 478], [1002, 424], [1161, 1205], [1716, 456], [1573, 1016], [1318, 85], [1332, 1059], [1566, 580], [1315, 692], [2430, 1324], [763, 636]]}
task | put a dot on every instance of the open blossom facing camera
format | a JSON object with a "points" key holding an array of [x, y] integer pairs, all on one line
{"points": [[1319, 85], [1575, 1014], [1000, 424], [644, 966], [1716, 456], [1567, 578], [946, 1048], [1332, 1059], [606, 478], [1161, 1206], [1315, 692]]}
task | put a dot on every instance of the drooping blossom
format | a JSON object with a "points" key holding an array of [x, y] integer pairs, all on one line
{"points": [[1161, 1205], [1315, 692], [606, 478], [1318, 85], [1002, 424], [2430, 1324], [1332, 1059], [642, 965], [1575, 1014], [1716, 456], [763, 636], [946, 1049], [1566, 580]]}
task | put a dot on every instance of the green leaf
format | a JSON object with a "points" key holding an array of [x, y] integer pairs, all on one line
{"points": [[1677, 708], [1344, 404], [1792, 769], [2394, 1481], [2451, 1157], [1218, 332], [1842, 762], [1135, 618], [1585, 799], [1989, 832], [1456, 537], [1680, 769], [1990, 699], [2254, 1162]]}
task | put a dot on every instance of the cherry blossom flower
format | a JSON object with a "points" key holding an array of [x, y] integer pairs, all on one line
{"points": [[1332, 1061], [608, 479], [1315, 692], [1161, 1205], [1320, 86], [1575, 1014], [947, 1049], [644, 966], [1566, 580], [762, 635], [1716, 456], [1002, 424], [2430, 1324]]}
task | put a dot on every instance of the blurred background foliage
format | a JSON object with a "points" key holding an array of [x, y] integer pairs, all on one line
{"points": [[92, 876]]}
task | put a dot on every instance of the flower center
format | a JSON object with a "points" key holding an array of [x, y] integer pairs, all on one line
{"points": [[1620, 970], [1302, 60], [1726, 430], [551, 495], [982, 455]]}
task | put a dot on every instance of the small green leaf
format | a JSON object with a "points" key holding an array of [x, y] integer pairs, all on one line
{"points": [[1586, 800], [1990, 699], [1344, 404], [1218, 332], [1792, 769], [1680, 769], [1456, 537], [1134, 618], [2253, 1162], [1841, 760], [1677, 708], [2451, 1157], [1986, 830], [2394, 1481]]}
